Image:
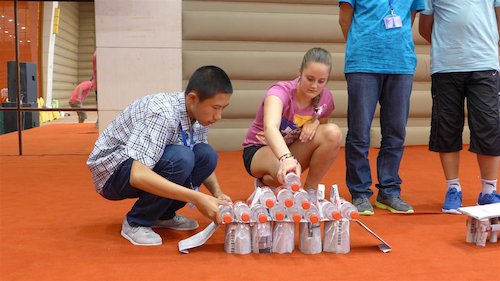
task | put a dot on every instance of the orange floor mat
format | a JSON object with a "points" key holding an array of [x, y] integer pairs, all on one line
{"points": [[53, 226]]}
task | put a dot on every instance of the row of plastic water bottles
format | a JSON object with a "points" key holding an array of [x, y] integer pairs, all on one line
{"points": [[266, 223]]}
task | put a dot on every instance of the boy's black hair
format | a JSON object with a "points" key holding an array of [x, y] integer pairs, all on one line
{"points": [[208, 81]]}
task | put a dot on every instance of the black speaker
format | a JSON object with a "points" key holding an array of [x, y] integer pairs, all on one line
{"points": [[30, 119], [29, 81]]}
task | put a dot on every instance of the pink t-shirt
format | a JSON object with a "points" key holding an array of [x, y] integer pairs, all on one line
{"points": [[85, 88], [292, 118]]}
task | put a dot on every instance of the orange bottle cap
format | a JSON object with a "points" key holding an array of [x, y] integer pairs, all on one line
{"points": [[262, 218], [280, 216], [336, 215], [269, 203], [295, 187], [288, 202], [314, 218], [245, 217], [227, 219], [296, 217], [354, 215], [306, 205]]}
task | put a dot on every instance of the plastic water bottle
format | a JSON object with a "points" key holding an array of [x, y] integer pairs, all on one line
{"points": [[237, 239], [294, 214], [312, 214], [292, 182], [285, 197], [262, 238], [241, 212], [328, 211], [258, 213], [310, 238], [283, 237], [329, 236], [339, 242], [278, 212], [267, 197], [313, 196], [227, 214], [348, 210], [301, 199]]}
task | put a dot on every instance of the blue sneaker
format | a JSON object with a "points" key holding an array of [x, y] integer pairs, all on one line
{"points": [[452, 201], [485, 199]]}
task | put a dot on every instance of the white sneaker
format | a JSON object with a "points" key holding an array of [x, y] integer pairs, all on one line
{"points": [[140, 235], [177, 223]]}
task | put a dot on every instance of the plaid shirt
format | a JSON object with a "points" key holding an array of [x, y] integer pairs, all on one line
{"points": [[142, 131]]}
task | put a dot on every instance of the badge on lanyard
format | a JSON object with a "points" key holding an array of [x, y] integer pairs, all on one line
{"points": [[392, 21]]}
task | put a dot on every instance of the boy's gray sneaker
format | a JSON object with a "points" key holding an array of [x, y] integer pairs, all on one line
{"points": [[394, 204], [363, 205], [178, 222], [140, 235]]}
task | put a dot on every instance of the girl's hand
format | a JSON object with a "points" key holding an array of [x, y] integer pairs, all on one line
{"points": [[309, 130], [288, 165]]}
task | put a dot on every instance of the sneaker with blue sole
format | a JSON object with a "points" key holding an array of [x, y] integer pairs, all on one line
{"points": [[491, 198], [452, 201]]}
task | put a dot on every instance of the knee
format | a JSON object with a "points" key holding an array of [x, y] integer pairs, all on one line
{"points": [[178, 161], [205, 156], [331, 135]]}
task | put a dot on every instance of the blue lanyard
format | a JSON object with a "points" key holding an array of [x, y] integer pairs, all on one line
{"points": [[184, 137], [391, 4], [191, 145]]}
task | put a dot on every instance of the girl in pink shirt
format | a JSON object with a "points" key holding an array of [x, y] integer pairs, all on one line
{"points": [[291, 130], [78, 97]]}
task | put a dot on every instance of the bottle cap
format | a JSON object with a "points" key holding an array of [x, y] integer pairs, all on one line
{"points": [[354, 215], [306, 204], [289, 202], [227, 219], [295, 187], [245, 217], [269, 203], [336, 215], [280, 216], [296, 217], [262, 218], [314, 218]]}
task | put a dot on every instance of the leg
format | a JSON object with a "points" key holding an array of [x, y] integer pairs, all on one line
{"points": [[319, 153], [448, 96], [205, 161], [265, 166], [484, 122], [363, 95], [394, 109], [176, 164]]}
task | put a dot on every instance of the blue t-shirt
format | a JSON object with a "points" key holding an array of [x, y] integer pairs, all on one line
{"points": [[464, 35], [371, 48]]}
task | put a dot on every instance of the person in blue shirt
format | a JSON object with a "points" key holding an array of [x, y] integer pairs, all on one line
{"points": [[379, 65], [464, 66]]}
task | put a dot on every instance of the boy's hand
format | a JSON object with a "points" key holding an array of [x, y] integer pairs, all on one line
{"points": [[209, 207], [224, 198]]}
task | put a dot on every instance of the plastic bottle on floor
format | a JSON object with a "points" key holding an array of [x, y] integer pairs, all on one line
{"points": [[261, 237], [227, 214], [301, 199], [241, 212], [337, 236], [283, 237], [310, 238], [292, 182], [285, 197], [237, 239], [328, 211], [278, 212]]}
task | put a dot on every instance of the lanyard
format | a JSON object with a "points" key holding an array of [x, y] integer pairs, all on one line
{"points": [[191, 145], [184, 137], [391, 5]]}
